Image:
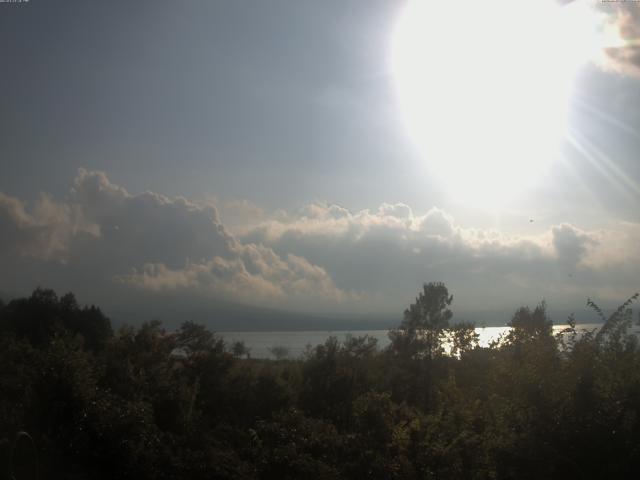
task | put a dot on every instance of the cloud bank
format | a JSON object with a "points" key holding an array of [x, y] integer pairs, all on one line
{"points": [[387, 251], [105, 235], [101, 241]]}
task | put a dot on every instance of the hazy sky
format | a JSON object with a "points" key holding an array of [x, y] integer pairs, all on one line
{"points": [[257, 152]]}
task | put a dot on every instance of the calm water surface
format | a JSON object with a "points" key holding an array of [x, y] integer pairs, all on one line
{"points": [[296, 341]]}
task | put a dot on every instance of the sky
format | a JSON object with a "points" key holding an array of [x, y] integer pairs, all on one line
{"points": [[324, 158]]}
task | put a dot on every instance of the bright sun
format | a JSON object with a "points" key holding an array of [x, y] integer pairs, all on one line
{"points": [[484, 87]]}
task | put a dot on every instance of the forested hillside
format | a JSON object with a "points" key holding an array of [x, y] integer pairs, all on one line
{"points": [[146, 403]]}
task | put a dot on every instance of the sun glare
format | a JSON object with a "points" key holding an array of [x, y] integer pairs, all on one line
{"points": [[484, 88]]}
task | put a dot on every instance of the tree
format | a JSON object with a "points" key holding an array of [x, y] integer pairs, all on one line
{"points": [[530, 325], [43, 315], [279, 352], [194, 339], [239, 349], [463, 338], [420, 333]]}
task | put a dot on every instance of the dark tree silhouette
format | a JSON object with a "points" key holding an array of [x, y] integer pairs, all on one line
{"points": [[154, 404], [420, 333], [527, 324], [43, 315]]}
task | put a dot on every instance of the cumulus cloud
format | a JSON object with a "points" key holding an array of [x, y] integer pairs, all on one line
{"points": [[437, 222], [148, 227], [107, 236], [257, 275], [397, 210], [41, 233], [570, 244], [321, 257], [389, 251]]}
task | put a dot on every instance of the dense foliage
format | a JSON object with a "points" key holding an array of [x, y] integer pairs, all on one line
{"points": [[147, 403]]}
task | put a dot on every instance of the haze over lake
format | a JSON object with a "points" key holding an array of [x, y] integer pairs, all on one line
{"points": [[296, 342]]}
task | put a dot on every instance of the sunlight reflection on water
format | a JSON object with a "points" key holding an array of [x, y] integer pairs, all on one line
{"points": [[296, 342]]}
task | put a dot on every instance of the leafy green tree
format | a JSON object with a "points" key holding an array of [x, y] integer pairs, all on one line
{"points": [[360, 347], [293, 446], [279, 352], [377, 445], [421, 332], [335, 374], [463, 338], [527, 324], [194, 339], [153, 404], [43, 315], [239, 350]]}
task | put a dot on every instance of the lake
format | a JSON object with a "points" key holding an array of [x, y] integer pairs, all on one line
{"points": [[296, 342]]}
